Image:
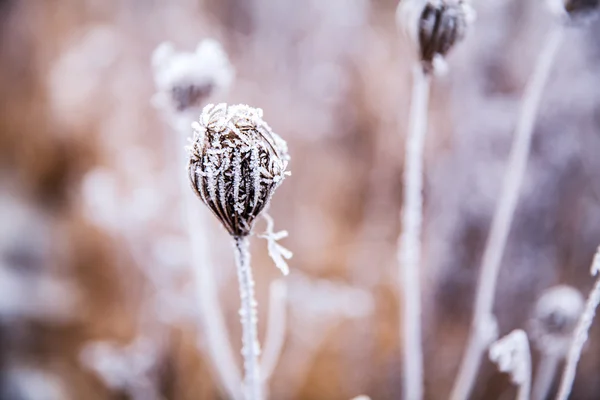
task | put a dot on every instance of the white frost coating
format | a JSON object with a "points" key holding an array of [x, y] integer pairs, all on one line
{"points": [[249, 319], [581, 333], [184, 80], [512, 355], [277, 252]]}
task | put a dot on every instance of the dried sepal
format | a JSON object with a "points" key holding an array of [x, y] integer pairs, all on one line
{"points": [[236, 163]]}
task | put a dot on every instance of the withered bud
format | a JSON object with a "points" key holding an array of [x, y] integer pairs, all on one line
{"points": [[236, 163], [555, 317], [577, 8], [441, 25]]}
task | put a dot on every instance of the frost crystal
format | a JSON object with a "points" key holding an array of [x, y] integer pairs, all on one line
{"points": [[236, 163], [185, 80], [277, 252]]}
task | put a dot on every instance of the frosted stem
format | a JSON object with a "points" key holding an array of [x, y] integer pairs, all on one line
{"points": [[579, 339], [544, 376], [249, 319], [216, 335], [503, 214], [275, 336], [410, 240]]}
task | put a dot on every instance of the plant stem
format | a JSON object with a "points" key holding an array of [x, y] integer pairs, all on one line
{"points": [[544, 376], [579, 339], [503, 215], [249, 319], [410, 240], [276, 329]]}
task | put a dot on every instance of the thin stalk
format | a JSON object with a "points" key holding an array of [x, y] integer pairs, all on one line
{"points": [[276, 329], [215, 331], [409, 256], [579, 339], [249, 319], [544, 376], [503, 216]]}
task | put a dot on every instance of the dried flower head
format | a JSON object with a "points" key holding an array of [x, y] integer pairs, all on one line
{"points": [[185, 80], [236, 163], [440, 24], [555, 317]]}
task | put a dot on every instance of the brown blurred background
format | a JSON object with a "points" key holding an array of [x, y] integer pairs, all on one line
{"points": [[91, 217]]}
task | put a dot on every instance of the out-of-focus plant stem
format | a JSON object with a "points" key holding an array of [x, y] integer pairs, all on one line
{"points": [[544, 376], [503, 216], [410, 240]]}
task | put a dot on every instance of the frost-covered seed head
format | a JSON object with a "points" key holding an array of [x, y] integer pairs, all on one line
{"points": [[185, 80], [555, 317], [236, 163], [435, 28]]}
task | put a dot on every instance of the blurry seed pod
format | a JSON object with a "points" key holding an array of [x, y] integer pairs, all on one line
{"points": [[555, 317], [236, 163], [575, 11], [185, 80], [435, 26]]}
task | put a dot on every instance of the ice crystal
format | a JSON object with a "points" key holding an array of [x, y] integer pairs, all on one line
{"points": [[277, 252], [236, 163]]}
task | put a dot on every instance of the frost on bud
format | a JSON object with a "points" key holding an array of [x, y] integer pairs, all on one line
{"points": [[435, 28], [555, 317], [236, 163]]}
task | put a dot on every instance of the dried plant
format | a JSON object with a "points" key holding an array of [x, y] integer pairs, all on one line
{"points": [[236, 164], [551, 328], [581, 333], [512, 355], [434, 29]]}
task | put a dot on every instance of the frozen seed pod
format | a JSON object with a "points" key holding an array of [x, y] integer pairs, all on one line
{"points": [[555, 317], [236, 163], [577, 8], [442, 24]]}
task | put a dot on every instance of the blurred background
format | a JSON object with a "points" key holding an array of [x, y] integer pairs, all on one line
{"points": [[98, 298]]}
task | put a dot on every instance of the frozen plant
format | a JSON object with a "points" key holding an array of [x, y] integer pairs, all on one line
{"points": [[236, 162], [512, 355], [551, 327], [434, 27], [581, 333]]}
